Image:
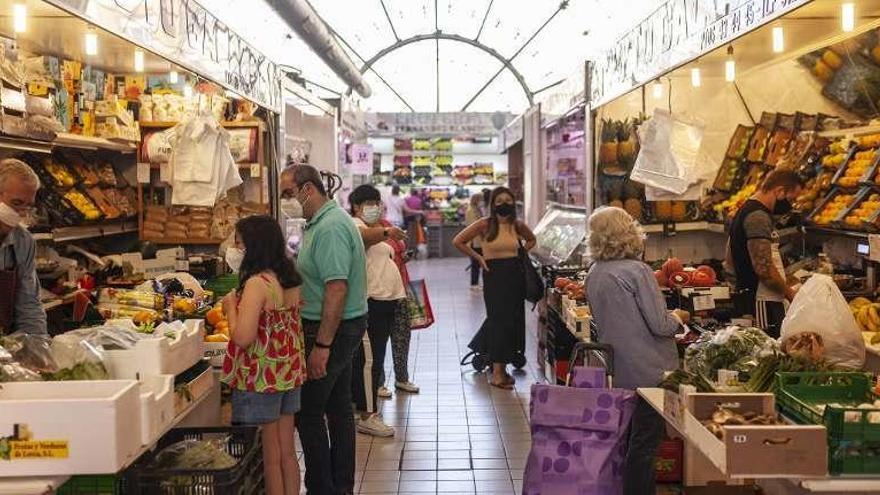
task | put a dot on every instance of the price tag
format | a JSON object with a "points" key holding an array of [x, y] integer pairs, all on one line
{"points": [[165, 174], [874, 247], [182, 265], [256, 170], [143, 173], [703, 303]]}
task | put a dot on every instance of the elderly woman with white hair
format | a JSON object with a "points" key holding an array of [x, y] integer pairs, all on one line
{"points": [[631, 316]]}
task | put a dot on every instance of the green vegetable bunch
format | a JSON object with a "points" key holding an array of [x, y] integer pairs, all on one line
{"points": [[732, 348]]}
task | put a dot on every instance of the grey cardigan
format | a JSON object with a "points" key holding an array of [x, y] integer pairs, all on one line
{"points": [[631, 316]]}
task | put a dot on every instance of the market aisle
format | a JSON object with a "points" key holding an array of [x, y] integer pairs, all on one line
{"points": [[457, 435]]}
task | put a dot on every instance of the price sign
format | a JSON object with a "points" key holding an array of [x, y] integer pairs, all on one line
{"points": [[703, 303], [361, 158], [143, 173], [874, 247]]}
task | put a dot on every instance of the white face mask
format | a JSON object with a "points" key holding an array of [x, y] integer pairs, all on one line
{"points": [[372, 213], [291, 208], [10, 217], [234, 257]]}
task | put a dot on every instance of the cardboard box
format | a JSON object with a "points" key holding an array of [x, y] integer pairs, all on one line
{"points": [[776, 451]]}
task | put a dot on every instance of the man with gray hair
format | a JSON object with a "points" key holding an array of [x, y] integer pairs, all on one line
{"points": [[18, 273]]}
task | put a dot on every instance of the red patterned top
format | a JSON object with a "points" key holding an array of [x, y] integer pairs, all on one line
{"points": [[275, 361]]}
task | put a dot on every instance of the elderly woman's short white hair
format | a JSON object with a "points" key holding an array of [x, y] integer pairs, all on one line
{"points": [[614, 235]]}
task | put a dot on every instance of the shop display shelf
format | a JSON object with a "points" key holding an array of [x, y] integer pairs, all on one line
{"points": [[159, 355], [183, 242], [246, 476], [836, 232], [75, 233], [228, 124], [192, 386], [850, 132], [93, 143], [67, 428]]}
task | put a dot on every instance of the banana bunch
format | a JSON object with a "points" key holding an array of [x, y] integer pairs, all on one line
{"points": [[866, 313]]}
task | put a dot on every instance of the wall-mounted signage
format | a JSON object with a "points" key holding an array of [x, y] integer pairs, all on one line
{"points": [[451, 124], [675, 33], [187, 34]]}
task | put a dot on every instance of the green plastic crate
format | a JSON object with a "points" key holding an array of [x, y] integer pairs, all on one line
{"points": [[799, 393], [847, 457], [92, 485]]}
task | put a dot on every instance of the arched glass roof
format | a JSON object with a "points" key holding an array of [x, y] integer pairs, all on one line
{"points": [[443, 55]]}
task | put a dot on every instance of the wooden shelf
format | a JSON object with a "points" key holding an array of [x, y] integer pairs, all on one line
{"points": [[226, 124], [187, 241], [66, 140]]}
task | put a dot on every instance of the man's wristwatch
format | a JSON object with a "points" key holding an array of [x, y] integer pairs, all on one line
{"points": [[321, 346]]}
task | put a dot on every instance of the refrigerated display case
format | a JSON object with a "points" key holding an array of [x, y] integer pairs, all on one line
{"points": [[561, 233]]}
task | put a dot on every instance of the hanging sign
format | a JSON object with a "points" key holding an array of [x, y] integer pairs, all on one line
{"points": [[450, 124], [361, 158], [675, 33], [186, 33]]}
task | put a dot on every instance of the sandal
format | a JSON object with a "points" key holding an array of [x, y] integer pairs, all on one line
{"points": [[503, 385]]}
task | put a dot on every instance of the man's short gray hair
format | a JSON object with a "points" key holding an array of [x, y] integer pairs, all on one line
{"points": [[614, 235], [11, 167]]}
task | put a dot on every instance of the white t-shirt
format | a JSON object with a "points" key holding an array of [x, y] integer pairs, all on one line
{"points": [[394, 210], [383, 277]]}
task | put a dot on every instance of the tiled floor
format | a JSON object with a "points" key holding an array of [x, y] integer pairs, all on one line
{"points": [[458, 435]]}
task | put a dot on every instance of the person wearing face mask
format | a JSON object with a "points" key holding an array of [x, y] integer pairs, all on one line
{"points": [[333, 265], [762, 290], [385, 293], [501, 236], [22, 311]]}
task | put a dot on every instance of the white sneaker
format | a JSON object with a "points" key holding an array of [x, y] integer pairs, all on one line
{"points": [[407, 387], [384, 392], [374, 426]]}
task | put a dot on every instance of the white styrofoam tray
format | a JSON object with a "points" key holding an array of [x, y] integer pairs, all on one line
{"points": [[69, 428], [159, 355], [157, 407]]}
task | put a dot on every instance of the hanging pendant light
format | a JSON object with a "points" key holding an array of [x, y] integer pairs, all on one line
{"points": [[730, 66], [657, 89], [848, 16], [138, 60], [91, 43], [778, 40]]}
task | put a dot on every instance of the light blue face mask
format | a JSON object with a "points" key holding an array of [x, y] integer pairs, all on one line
{"points": [[372, 214]]}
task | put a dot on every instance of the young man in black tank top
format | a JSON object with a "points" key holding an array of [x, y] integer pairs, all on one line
{"points": [[753, 255]]}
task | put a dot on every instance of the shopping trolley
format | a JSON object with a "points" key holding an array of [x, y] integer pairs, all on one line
{"points": [[479, 356], [580, 432]]}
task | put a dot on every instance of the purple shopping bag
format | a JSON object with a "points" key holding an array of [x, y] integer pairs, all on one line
{"points": [[588, 377], [579, 439]]}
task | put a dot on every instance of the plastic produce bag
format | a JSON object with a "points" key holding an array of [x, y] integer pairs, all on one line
{"points": [[668, 154], [30, 351], [77, 358], [195, 454], [820, 308], [731, 348]]}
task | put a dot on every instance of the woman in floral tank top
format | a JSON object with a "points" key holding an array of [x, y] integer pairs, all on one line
{"points": [[264, 363]]}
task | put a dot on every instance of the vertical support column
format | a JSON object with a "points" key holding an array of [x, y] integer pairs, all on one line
{"points": [[534, 170]]}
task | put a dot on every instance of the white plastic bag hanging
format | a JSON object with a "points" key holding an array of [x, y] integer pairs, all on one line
{"points": [[820, 308], [669, 147]]}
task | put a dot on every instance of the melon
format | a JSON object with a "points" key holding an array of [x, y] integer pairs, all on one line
{"points": [[661, 278], [633, 207]]}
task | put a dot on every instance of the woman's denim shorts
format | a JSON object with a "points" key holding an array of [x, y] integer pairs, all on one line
{"points": [[256, 408]]}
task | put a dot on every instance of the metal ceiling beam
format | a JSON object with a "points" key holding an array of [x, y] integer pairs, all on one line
{"points": [[485, 16], [386, 83], [452, 37], [562, 5], [385, 9]]}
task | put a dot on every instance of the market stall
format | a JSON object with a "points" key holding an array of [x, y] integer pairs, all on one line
{"points": [[147, 156], [443, 159], [683, 136]]}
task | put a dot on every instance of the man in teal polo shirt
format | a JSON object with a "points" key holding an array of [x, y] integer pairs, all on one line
{"points": [[333, 265]]}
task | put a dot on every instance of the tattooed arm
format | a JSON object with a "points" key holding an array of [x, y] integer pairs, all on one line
{"points": [[762, 262]]}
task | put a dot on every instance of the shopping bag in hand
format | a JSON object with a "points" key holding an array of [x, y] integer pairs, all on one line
{"points": [[421, 314]]}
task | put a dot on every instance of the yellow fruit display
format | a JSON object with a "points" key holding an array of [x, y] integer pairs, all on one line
{"points": [[864, 212], [83, 204], [185, 305], [735, 202], [868, 141], [833, 209], [866, 314], [833, 161]]}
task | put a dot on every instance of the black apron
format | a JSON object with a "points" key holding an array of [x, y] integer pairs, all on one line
{"points": [[8, 285]]}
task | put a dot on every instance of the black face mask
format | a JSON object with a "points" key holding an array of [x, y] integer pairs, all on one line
{"points": [[782, 207], [505, 209]]}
